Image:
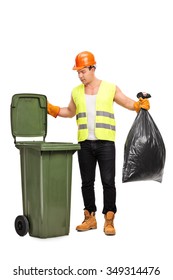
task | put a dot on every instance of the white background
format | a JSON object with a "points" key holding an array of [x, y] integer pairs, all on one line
{"points": [[132, 43]]}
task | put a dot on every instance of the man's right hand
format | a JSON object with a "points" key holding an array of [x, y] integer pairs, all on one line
{"points": [[53, 110]]}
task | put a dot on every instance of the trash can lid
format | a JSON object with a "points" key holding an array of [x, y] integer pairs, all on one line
{"points": [[29, 115]]}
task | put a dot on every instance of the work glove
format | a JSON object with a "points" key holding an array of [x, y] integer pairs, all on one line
{"points": [[143, 101], [52, 110]]}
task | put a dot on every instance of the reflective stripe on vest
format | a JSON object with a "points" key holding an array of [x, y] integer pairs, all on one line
{"points": [[82, 126], [106, 126], [105, 121], [98, 125], [80, 115], [104, 114]]}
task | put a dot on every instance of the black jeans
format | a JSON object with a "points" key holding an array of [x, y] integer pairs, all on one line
{"points": [[102, 152]]}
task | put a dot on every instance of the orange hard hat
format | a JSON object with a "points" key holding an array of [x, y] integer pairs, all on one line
{"points": [[84, 59]]}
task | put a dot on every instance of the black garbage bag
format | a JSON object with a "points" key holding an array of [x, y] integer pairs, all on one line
{"points": [[144, 150]]}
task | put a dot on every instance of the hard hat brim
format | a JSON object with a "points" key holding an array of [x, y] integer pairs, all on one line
{"points": [[78, 68], [82, 67]]}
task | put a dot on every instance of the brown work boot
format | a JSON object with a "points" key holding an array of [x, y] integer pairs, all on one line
{"points": [[109, 224], [88, 223]]}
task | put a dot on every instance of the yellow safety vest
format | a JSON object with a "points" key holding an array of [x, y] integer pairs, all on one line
{"points": [[105, 121]]}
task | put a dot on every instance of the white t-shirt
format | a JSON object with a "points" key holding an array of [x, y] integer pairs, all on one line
{"points": [[91, 115]]}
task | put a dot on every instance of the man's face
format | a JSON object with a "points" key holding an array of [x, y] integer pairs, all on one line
{"points": [[85, 75]]}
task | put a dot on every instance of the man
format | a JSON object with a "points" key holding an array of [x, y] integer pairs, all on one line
{"points": [[92, 103]]}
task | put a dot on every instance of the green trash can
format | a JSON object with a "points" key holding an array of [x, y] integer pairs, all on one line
{"points": [[46, 170]]}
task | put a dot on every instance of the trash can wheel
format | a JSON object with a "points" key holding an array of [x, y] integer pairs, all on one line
{"points": [[21, 225]]}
